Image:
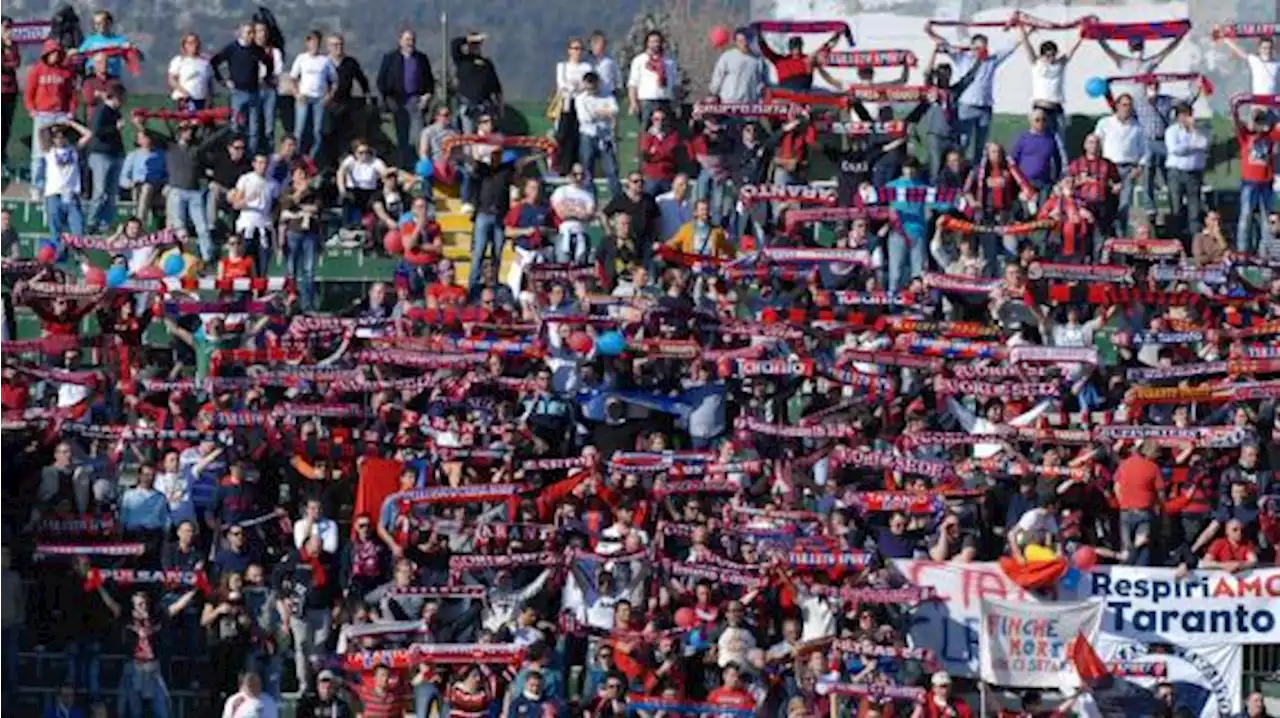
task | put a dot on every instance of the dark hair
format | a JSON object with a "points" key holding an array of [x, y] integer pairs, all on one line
{"points": [[591, 77], [654, 33], [1048, 46], [980, 37], [315, 35]]}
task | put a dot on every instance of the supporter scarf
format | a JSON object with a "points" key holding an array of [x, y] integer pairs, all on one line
{"points": [[1176, 371], [811, 255], [700, 487], [753, 351], [420, 654], [21, 269], [120, 243], [804, 215], [949, 348], [211, 117], [77, 525], [1246, 30], [911, 594], [910, 195], [1151, 248], [549, 272], [439, 592], [1138, 339], [1044, 434], [235, 306], [893, 501], [305, 324], [1205, 275], [877, 596], [1023, 18], [757, 426], [1212, 437], [656, 62], [239, 284], [544, 145], [790, 367], [124, 432], [945, 439], [560, 464], [875, 385], [872, 690], [419, 360], [949, 329], [743, 109], [1251, 391], [1236, 367], [715, 574], [114, 550], [667, 348], [653, 458], [1166, 30], [803, 27], [959, 226], [1079, 272], [319, 575], [450, 454], [479, 493], [959, 284], [1025, 372], [1256, 351], [889, 128], [653, 705], [867, 58], [1053, 355], [356, 631], [890, 359], [787, 273], [61, 376], [1161, 78], [132, 57], [97, 577], [898, 93], [459, 563], [884, 460], [802, 193], [756, 330], [505, 532], [998, 465], [56, 289], [826, 560], [269, 355]]}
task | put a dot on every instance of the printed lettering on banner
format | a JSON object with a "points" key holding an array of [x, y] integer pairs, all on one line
{"points": [[1153, 605], [1205, 679], [1024, 645], [949, 626]]}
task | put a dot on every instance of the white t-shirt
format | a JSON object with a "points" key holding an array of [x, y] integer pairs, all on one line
{"points": [[277, 68], [258, 193], [62, 172], [194, 75], [1037, 521], [734, 645], [819, 619], [1046, 81], [646, 81], [1266, 75], [243, 705], [362, 174], [569, 77], [1124, 143], [314, 73], [573, 205]]}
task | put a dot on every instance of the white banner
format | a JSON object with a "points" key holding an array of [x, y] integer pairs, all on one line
{"points": [[1152, 605], [1026, 645], [949, 626], [1205, 680]]}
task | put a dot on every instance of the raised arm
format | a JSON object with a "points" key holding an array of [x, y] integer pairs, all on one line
{"points": [[1110, 52], [1235, 48], [1159, 57], [1024, 38]]}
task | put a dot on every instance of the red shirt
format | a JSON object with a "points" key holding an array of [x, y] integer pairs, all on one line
{"points": [[1137, 481], [731, 698], [795, 144], [794, 72], [379, 705], [1223, 551], [241, 268], [1100, 170], [1257, 155], [658, 155], [50, 89], [447, 295]]}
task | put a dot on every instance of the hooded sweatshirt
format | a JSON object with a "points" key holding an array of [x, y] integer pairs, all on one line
{"points": [[50, 88]]}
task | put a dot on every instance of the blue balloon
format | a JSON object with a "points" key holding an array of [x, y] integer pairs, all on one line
{"points": [[1095, 87], [1071, 578], [610, 344], [117, 275], [174, 265]]}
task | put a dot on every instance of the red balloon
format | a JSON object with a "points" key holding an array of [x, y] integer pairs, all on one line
{"points": [[46, 254], [95, 277], [719, 36], [1085, 557], [393, 243], [685, 618], [580, 342]]}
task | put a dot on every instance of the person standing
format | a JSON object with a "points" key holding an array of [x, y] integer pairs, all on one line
{"points": [[1154, 110], [569, 86], [977, 101], [1257, 137], [270, 76], [1124, 142], [479, 90], [300, 211], [250, 701], [50, 95], [1187, 150], [1048, 89], [492, 202], [106, 157], [597, 115], [315, 79], [739, 74], [190, 76], [246, 62], [1264, 66], [253, 196], [406, 84], [605, 67], [58, 174], [184, 164], [345, 112], [10, 61], [653, 81]]}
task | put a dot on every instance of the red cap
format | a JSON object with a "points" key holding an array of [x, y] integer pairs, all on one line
{"points": [[49, 46]]}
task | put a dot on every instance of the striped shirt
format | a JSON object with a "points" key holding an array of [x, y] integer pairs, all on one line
{"points": [[465, 704], [1099, 169], [380, 704]]}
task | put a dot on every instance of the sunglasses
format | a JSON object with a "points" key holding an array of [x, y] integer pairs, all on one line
{"points": [[361, 526]]}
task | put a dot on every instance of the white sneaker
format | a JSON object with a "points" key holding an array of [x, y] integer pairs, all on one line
{"points": [[468, 208]]}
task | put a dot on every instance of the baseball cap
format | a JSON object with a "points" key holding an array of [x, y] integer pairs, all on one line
{"points": [[941, 679], [325, 675]]}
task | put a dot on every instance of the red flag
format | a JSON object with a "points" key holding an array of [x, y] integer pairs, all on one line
{"points": [[1088, 664], [1034, 575]]}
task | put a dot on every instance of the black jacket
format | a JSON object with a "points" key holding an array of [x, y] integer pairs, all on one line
{"points": [[391, 75], [242, 65]]}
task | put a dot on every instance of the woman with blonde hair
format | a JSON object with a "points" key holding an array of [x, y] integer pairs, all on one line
{"points": [[190, 75], [569, 86]]}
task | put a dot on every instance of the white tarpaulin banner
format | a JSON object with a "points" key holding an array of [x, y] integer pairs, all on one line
{"points": [[1026, 645], [1153, 605], [1206, 680], [949, 626]]}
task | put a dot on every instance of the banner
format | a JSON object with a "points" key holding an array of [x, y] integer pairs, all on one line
{"points": [[1152, 605], [1205, 680], [1024, 645], [949, 627]]}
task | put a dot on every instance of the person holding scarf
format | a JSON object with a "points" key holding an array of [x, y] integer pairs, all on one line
{"points": [[654, 81], [995, 186], [1097, 182]]}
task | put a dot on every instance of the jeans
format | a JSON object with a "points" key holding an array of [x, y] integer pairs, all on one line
{"points": [[9, 642], [711, 190], [975, 126], [63, 215], [257, 244], [591, 149], [939, 146], [268, 101], [105, 170], [1125, 201], [307, 109], [1184, 199], [138, 685], [1156, 155], [424, 695], [247, 109], [39, 121], [1055, 122], [1255, 198], [572, 245], [303, 248], [1130, 522], [487, 239], [181, 205], [271, 667], [310, 632], [84, 666], [408, 119], [655, 187], [782, 176], [907, 254]]}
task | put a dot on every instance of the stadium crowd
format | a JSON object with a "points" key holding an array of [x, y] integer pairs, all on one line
{"points": [[660, 460]]}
